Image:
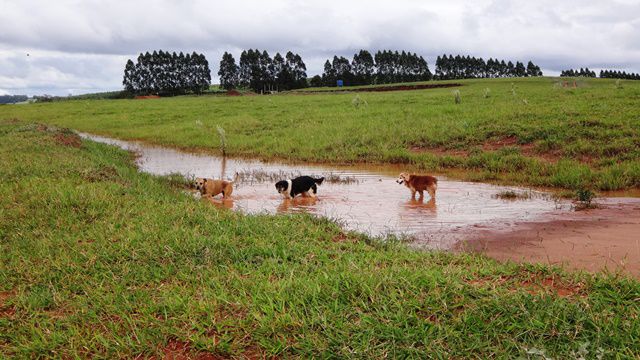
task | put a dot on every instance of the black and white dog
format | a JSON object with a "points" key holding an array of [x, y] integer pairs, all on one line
{"points": [[301, 185]]}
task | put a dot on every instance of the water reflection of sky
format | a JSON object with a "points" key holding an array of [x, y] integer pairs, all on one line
{"points": [[375, 204]]}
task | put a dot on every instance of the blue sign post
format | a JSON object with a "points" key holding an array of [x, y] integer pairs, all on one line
{"points": [[339, 83]]}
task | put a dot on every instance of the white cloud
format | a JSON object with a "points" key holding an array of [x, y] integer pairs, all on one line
{"points": [[82, 46]]}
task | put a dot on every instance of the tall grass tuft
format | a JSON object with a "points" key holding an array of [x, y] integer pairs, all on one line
{"points": [[456, 96], [513, 90], [223, 139], [358, 102], [486, 93], [584, 197], [618, 84]]}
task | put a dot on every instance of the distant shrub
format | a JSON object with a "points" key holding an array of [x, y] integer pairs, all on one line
{"points": [[584, 197], [618, 84], [223, 139], [512, 195], [357, 102], [456, 96]]}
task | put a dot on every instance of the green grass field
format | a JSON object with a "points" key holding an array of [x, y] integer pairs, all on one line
{"points": [[526, 131], [99, 260]]}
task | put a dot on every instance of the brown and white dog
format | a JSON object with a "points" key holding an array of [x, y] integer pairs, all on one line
{"points": [[213, 187], [419, 183]]}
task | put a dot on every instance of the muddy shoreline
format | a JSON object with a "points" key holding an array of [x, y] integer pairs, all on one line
{"points": [[603, 239]]}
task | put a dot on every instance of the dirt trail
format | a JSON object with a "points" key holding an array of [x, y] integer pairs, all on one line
{"points": [[607, 239]]}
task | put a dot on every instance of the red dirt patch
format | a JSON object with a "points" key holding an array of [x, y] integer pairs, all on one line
{"points": [[606, 238], [497, 144], [6, 311], [147, 97], [342, 237], [68, 139], [182, 350], [534, 285], [554, 286], [528, 150], [233, 92], [231, 311]]}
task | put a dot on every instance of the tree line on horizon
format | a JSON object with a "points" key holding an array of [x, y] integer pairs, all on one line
{"points": [[384, 67], [261, 73], [467, 67], [12, 99], [578, 73], [604, 74], [393, 66], [614, 74], [164, 73]]}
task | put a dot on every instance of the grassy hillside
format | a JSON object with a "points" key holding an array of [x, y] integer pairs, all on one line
{"points": [[98, 260], [528, 131]]}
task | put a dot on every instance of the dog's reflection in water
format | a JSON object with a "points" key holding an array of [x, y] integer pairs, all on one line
{"points": [[296, 204], [223, 203], [420, 204]]}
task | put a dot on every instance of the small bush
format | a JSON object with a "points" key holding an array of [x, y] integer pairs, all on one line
{"points": [[584, 197], [456, 96], [358, 102], [223, 139], [512, 195]]}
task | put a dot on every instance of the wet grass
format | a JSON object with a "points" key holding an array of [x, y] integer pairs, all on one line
{"points": [[98, 260], [528, 131], [513, 195], [261, 176]]}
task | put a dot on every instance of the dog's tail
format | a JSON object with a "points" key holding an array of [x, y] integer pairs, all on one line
{"points": [[319, 180], [235, 177]]}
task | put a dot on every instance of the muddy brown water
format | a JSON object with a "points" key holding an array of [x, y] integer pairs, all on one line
{"points": [[372, 202]]}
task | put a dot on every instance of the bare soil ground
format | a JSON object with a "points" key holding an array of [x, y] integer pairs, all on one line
{"points": [[606, 238]]}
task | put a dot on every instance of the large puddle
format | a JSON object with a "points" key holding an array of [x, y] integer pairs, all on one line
{"points": [[362, 199]]}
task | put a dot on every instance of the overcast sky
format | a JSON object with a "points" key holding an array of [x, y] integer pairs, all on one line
{"points": [[71, 47]]}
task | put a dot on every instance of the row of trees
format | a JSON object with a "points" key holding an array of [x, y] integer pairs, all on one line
{"points": [[467, 67], [165, 73], [578, 73], [614, 74], [261, 73], [385, 67], [12, 99], [391, 67], [605, 74]]}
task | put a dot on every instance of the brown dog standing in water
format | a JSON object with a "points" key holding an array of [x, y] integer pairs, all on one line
{"points": [[213, 187], [419, 183]]}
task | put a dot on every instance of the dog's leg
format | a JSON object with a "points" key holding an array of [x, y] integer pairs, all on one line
{"points": [[228, 190], [413, 194], [421, 195], [432, 191]]}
